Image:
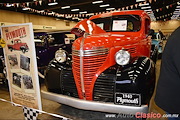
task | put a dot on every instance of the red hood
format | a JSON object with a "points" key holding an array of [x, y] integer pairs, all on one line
{"points": [[105, 40], [86, 26]]}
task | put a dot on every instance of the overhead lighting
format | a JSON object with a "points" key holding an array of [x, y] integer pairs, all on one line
{"points": [[53, 3], [59, 15], [110, 8], [176, 13], [65, 7], [25, 8], [90, 14], [145, 7], [9, 5], [75, 10], [51, 13], [106, 5], [68, 17], [140, 0], [83, 12], [96, 2], [144, 4], [41, 11], [75, 18]]}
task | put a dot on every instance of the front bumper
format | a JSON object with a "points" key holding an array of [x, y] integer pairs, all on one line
{"points": [[93, 105]]}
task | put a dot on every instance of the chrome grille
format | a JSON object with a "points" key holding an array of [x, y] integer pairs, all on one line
{"points": [[91, 52], [131, 50], [92, 61]]}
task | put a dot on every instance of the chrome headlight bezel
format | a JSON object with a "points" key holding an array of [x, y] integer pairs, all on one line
{"points": [[61, 56], [122, 57]]}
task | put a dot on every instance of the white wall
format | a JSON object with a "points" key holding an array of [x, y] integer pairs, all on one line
{"points": [[41, 23], [167, 27]]}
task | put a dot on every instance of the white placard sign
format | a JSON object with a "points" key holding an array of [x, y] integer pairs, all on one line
{"points": [[21, 65], [119, 25]]}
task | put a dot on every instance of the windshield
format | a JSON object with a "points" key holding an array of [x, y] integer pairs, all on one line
{"points": [[119, 23]]}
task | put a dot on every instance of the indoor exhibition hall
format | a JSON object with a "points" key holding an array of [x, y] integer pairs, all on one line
{"points": [[89, 59]]}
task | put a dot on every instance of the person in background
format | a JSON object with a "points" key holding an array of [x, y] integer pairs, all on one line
{"points": [[167, 95], [161, 34], [152, 34]]}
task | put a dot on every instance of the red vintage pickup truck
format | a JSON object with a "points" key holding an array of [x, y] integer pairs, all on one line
{"points": [[18, 45], [110, 67]]}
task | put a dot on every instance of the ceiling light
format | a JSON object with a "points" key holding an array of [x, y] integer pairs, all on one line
{"points": [[75, 10], [83, 12], [9, 5], [68, 17], [95, 2], [140, 0], [144, 4], [51, 13], [145, 7], [54, 3], [25, 8], [106, 5], [110, 8], [65, 7], [176, 13], [90, 14], [75, 18]]}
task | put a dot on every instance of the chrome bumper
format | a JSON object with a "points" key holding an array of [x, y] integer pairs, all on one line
{"points": [[93, 105]]}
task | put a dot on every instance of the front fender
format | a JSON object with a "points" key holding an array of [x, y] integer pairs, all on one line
{"points": [[59, 78], [137, 77]]}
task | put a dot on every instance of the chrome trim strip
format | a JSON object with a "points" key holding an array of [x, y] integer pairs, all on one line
{"points": [[81, 65], [93, 105], [91, 52]]}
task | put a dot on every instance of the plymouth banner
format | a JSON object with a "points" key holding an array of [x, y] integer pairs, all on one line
{"points": [[21, 65]]}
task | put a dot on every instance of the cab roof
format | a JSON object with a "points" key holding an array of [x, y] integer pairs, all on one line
{"points": [[125, 12]]}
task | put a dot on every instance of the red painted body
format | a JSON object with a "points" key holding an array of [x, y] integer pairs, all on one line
{"points": [[137, 43]]}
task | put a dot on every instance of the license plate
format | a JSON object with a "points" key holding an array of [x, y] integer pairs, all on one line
{"points": [[130, 99]]}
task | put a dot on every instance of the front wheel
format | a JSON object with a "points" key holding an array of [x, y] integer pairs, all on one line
{"points": [[11, 49], [23, 50]]}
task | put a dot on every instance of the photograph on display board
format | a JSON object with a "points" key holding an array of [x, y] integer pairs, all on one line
{"points": [[17, 80], [18, 45], [25, 62], [13, 61], [27, 81]]}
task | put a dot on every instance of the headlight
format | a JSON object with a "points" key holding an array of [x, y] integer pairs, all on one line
{"points": [[122, 57], [60, 56]]}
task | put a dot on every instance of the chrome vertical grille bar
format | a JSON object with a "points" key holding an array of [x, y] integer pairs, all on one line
{"points": [[81, 65]]}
